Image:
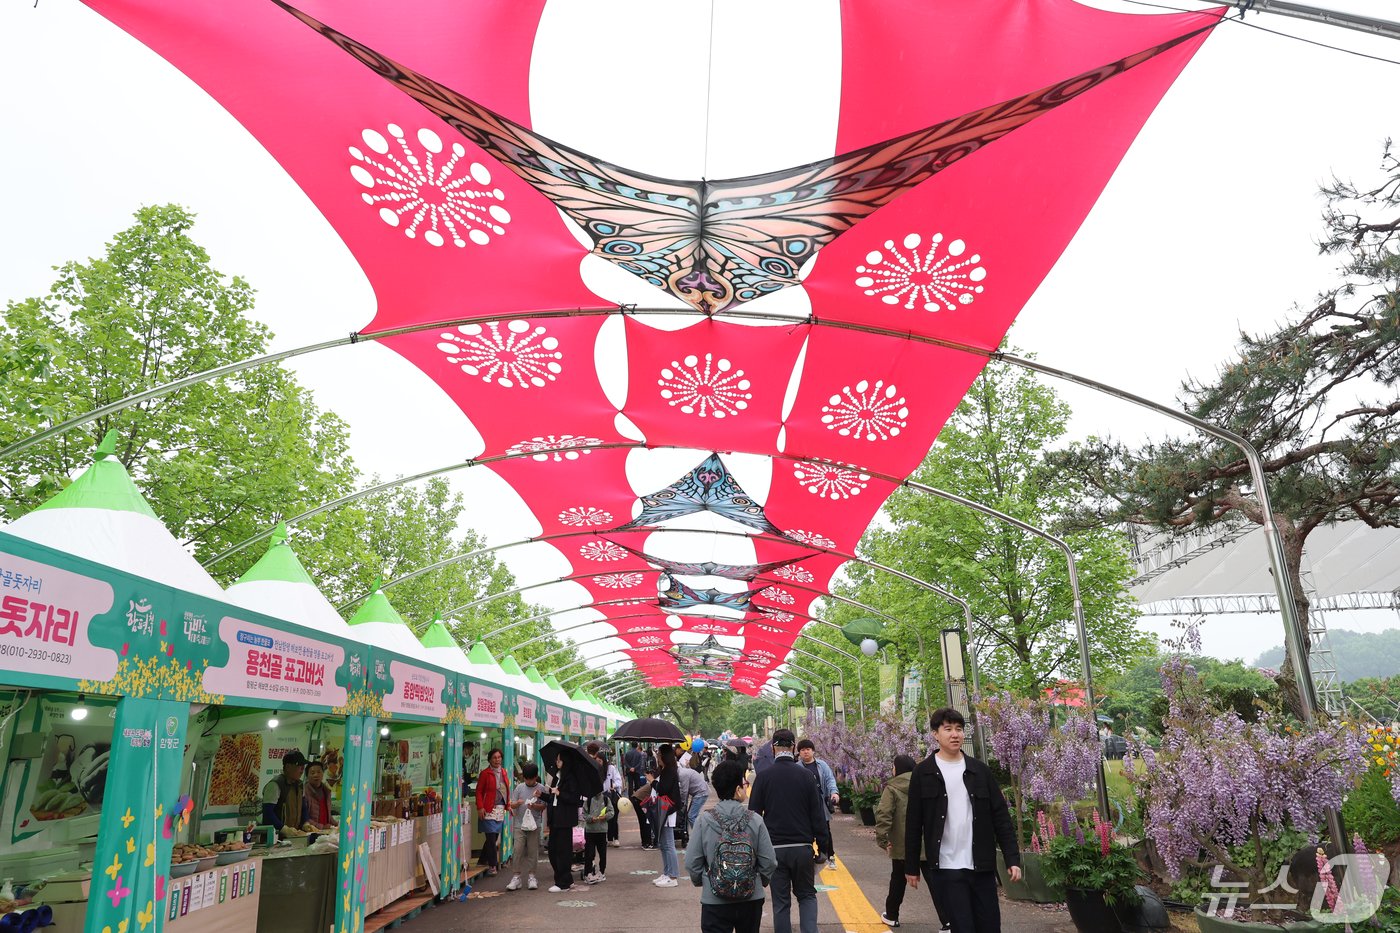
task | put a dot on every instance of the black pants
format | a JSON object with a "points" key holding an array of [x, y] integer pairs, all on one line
{"points": [[613, 798], [895, 896], [595, 844], [488, 850], [738, 917], [794, 876], [561, 855], [968, 900], [643, 820]]}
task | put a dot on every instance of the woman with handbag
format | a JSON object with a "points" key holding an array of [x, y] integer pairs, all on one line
{"points": [[667, 791], [492, 792]]}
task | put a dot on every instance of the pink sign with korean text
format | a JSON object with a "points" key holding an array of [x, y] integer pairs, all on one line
{"points": [[527, 711], [45, 617], [575, 722], [488, 704], [417, 691], [272, 664], [554, 717], [590, 725]]}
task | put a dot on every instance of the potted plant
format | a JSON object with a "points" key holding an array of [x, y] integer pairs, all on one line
{"points": [[1226, 787], [864, 798], [1098, 874], [1045, 764]]}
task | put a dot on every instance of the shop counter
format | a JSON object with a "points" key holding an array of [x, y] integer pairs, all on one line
{"points": [[298, 890], [223, 899]]}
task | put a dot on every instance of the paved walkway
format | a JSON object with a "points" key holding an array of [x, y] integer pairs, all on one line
{"points": [[851, 898]]}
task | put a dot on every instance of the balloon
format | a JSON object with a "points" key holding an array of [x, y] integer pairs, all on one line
{"points": [[624, 806], [697, 746]]}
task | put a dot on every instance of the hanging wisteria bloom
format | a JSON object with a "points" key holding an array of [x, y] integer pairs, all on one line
{"points": [[778, 595], [829, 480], [555, 446], [584, 516], [601, 550], [514, 356], [710, 391], [932, 281], [794, 572], [866, 412], [430, 194], [618, 581], [809, 537]]}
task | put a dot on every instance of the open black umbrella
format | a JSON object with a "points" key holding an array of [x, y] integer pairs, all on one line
{"points": [[648, 730], [579, 770]]}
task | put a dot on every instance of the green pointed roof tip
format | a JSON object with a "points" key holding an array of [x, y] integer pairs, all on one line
{"points": [[511, 666], [579, 696], [377, 609], [552, 681], [480, 654], [279, 563], [107, 447], [105, 485], [437, 635], [532, 674]]}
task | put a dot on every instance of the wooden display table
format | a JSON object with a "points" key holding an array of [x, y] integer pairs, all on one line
{"points": [[223, 899]]}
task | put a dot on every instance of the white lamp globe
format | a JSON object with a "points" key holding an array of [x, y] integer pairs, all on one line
{"points": [[792, 694], [869, 647]]}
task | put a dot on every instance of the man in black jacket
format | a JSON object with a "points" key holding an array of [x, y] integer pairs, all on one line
{"points": [[957, 814], [634, 764], [790, 803]]}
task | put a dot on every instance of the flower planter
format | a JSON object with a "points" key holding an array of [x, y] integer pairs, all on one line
{"points": [[867, 816], [1090, 913], [1032, 886], [845, 805], [1209, 923]]}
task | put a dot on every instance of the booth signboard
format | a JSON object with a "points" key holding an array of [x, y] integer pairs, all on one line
{"points": [[575, 722], [554, 719], [72, 624], [274, 664], [527, 711], [590, 725], [487, 704], [416, 691]]}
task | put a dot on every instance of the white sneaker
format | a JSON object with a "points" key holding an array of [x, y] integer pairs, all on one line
{"points": [[888, 922], [666, 882], [660, 881], [555, 889], [615, 844], [532, 883], [514, 884], [590, 879]]}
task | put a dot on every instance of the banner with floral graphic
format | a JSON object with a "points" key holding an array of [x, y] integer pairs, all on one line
{"points": [[142, 811], [361, 736]]}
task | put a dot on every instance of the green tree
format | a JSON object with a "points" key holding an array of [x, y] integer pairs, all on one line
{"points": [[690, 707], [218, 460], [1317, 397], [992, 450], [1134, 698]]}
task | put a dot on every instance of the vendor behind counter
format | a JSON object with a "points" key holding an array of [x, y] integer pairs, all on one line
{"points": [[282, 796]]}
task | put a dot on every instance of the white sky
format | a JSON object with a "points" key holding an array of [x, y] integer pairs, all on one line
{"points": [[1208, 225]]}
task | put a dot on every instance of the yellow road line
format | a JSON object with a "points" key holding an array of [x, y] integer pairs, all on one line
{"points": [[853, 909]]}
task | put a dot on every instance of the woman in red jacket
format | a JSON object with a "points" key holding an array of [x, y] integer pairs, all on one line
{"points": [[492, 792]]}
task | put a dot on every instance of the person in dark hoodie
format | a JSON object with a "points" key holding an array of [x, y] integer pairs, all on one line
{"points": [[790, 803], [958, 816]]}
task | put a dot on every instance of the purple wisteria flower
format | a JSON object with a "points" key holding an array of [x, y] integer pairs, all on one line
{"points": [[1217, 781]]}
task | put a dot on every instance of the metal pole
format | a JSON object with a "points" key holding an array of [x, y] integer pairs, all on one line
{"points": [[1313, 14]]}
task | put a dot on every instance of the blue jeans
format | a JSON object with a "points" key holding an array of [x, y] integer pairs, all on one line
{"points": [[697, 803], [669, 864]]}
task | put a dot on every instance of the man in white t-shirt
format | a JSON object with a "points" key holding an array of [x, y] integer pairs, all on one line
{"points": [[958, 816]]}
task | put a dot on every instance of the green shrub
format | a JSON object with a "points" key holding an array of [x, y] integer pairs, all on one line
{"points": [[1371, 811]]}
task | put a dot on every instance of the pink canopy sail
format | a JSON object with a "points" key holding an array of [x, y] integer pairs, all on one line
{"points": [[972, 141]]}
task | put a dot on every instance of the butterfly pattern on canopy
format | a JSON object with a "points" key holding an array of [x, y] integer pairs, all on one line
{"points": [[715, 244], [709, 487]]}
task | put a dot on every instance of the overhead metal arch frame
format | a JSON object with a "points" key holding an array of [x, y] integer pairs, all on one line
{"points": [[1296, 637]]}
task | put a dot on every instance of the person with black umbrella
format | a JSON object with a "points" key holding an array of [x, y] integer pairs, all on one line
{"points": [[573, 776]]}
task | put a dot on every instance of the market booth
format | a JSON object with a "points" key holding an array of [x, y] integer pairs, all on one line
{"points": [[142, 712]]}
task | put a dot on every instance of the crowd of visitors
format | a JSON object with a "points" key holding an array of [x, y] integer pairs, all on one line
{"points": [[941, 820]]}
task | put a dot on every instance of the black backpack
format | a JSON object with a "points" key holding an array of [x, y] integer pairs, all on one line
{"points": [[734, 866]]}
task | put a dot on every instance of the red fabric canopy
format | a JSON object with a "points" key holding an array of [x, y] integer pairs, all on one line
{"points": [[972, 141]]}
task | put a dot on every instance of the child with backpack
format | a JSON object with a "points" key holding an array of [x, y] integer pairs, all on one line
{"points": [[731, 857], [597, 812]]}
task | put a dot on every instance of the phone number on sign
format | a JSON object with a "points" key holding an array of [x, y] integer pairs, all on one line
{"points": [[35, 654]]}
